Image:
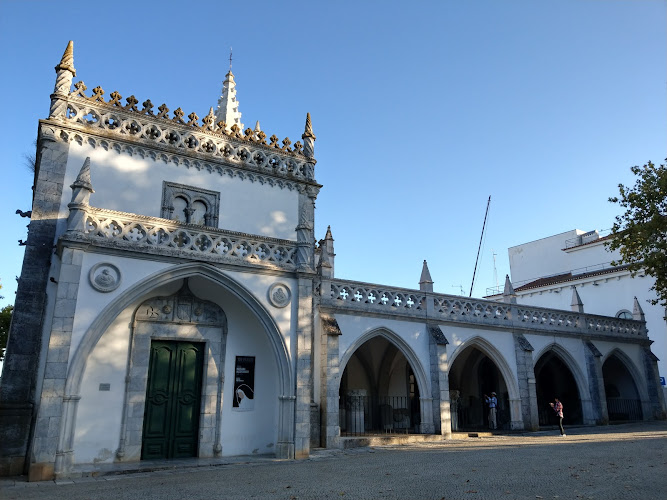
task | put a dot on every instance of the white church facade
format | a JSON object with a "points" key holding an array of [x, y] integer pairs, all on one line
{"points": [[202, 318]]}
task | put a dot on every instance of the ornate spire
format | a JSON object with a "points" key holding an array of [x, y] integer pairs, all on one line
{"points": [[325, 267], [82, 188], [509, 296], [577, 305], [67, 61], [228, 106], [637, 311], [308, 139], [425, 281], [64, 73], [83, 179]]}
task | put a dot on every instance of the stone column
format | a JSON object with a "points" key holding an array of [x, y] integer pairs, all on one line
{"points": [[304, 370], [596, 382], [426, 425], [526, 378], [51, 451], [21, 370], [330, 382], [439, 381], [656, 404], [285, 446]]}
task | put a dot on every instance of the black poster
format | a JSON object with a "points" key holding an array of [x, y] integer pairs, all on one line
{"points": [[244, 383]]}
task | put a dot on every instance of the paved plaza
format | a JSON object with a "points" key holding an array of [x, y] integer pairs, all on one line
{"points": [[614, 462]]}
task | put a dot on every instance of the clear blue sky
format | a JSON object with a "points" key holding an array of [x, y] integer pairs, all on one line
{"points": [[421, 110]]}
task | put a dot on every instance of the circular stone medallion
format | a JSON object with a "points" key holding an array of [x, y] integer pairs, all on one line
{"points": [[104, 277], [279, 294]]}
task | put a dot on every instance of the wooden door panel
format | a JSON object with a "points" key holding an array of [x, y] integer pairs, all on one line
{"points": [[173, 395]]}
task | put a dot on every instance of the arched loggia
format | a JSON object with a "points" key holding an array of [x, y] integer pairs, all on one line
{"points": [[383, 387]]}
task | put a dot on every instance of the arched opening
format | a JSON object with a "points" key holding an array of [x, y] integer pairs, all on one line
{"points": [[623, 401], [379, 391], [554, 379], [472, 376], [101, 360]]}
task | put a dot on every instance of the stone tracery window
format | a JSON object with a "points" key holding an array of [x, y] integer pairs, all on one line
{"points": [[189, 204]]}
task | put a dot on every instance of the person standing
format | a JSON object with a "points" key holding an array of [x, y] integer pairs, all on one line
{"points": [[493, 403], [558, 408]]}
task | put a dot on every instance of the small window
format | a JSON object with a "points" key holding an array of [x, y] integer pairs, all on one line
{"points": [[190, 205], [624, 314]]}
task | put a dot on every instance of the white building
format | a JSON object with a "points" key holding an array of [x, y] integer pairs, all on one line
{"points": [[174, 302], [545, 273]]}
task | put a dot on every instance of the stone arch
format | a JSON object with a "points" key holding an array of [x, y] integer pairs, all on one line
{"points": [[403, 347], [490, 351], [510, 381], [572, 365], [425, 402], [635, 376], [134, 294], [580, 380]]}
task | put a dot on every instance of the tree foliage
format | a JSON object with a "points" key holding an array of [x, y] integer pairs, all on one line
{"points": [[640, 233], [5, 321]]}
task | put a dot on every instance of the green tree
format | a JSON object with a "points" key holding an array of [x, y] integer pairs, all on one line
{"points": [[5, 321], [640, 233]]}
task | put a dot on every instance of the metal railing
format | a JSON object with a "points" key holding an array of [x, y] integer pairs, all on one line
{"points": [[360, 415], [620, 409]]}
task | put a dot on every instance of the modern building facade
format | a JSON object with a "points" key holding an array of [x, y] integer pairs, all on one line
{"points": [[174, 302]]}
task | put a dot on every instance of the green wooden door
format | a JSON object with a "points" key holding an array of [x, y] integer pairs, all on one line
{"points": [[173, 396]]}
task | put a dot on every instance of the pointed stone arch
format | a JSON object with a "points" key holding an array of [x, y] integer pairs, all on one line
{"points": [[510, 380], [581, 382], [492, 353], [134, 295], [426, 403], [635, 376], [571, 363]]}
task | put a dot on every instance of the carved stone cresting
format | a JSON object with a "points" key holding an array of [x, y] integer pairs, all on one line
{"points": [[191, 195], [247, 150], [273, 173], [104, 277], [367, 297], [156, 236], [280, 294]]}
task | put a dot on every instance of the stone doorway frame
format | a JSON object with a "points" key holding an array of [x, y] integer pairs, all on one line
{"points": [[181, 316]]}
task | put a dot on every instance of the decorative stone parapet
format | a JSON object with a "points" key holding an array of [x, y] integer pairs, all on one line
{"points": [[371, 298], [141, 125], [111, 229]]}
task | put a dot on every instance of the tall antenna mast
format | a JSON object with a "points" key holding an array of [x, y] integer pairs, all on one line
{"points": [[495, 270], [480, 246]]}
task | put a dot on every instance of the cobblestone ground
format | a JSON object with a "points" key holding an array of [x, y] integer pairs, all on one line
{"points": [[616, 462]]}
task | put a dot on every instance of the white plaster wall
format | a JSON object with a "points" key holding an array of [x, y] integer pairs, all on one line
{"points": [[543, 257], [414, 334], [133, 184], [90, 302]]}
